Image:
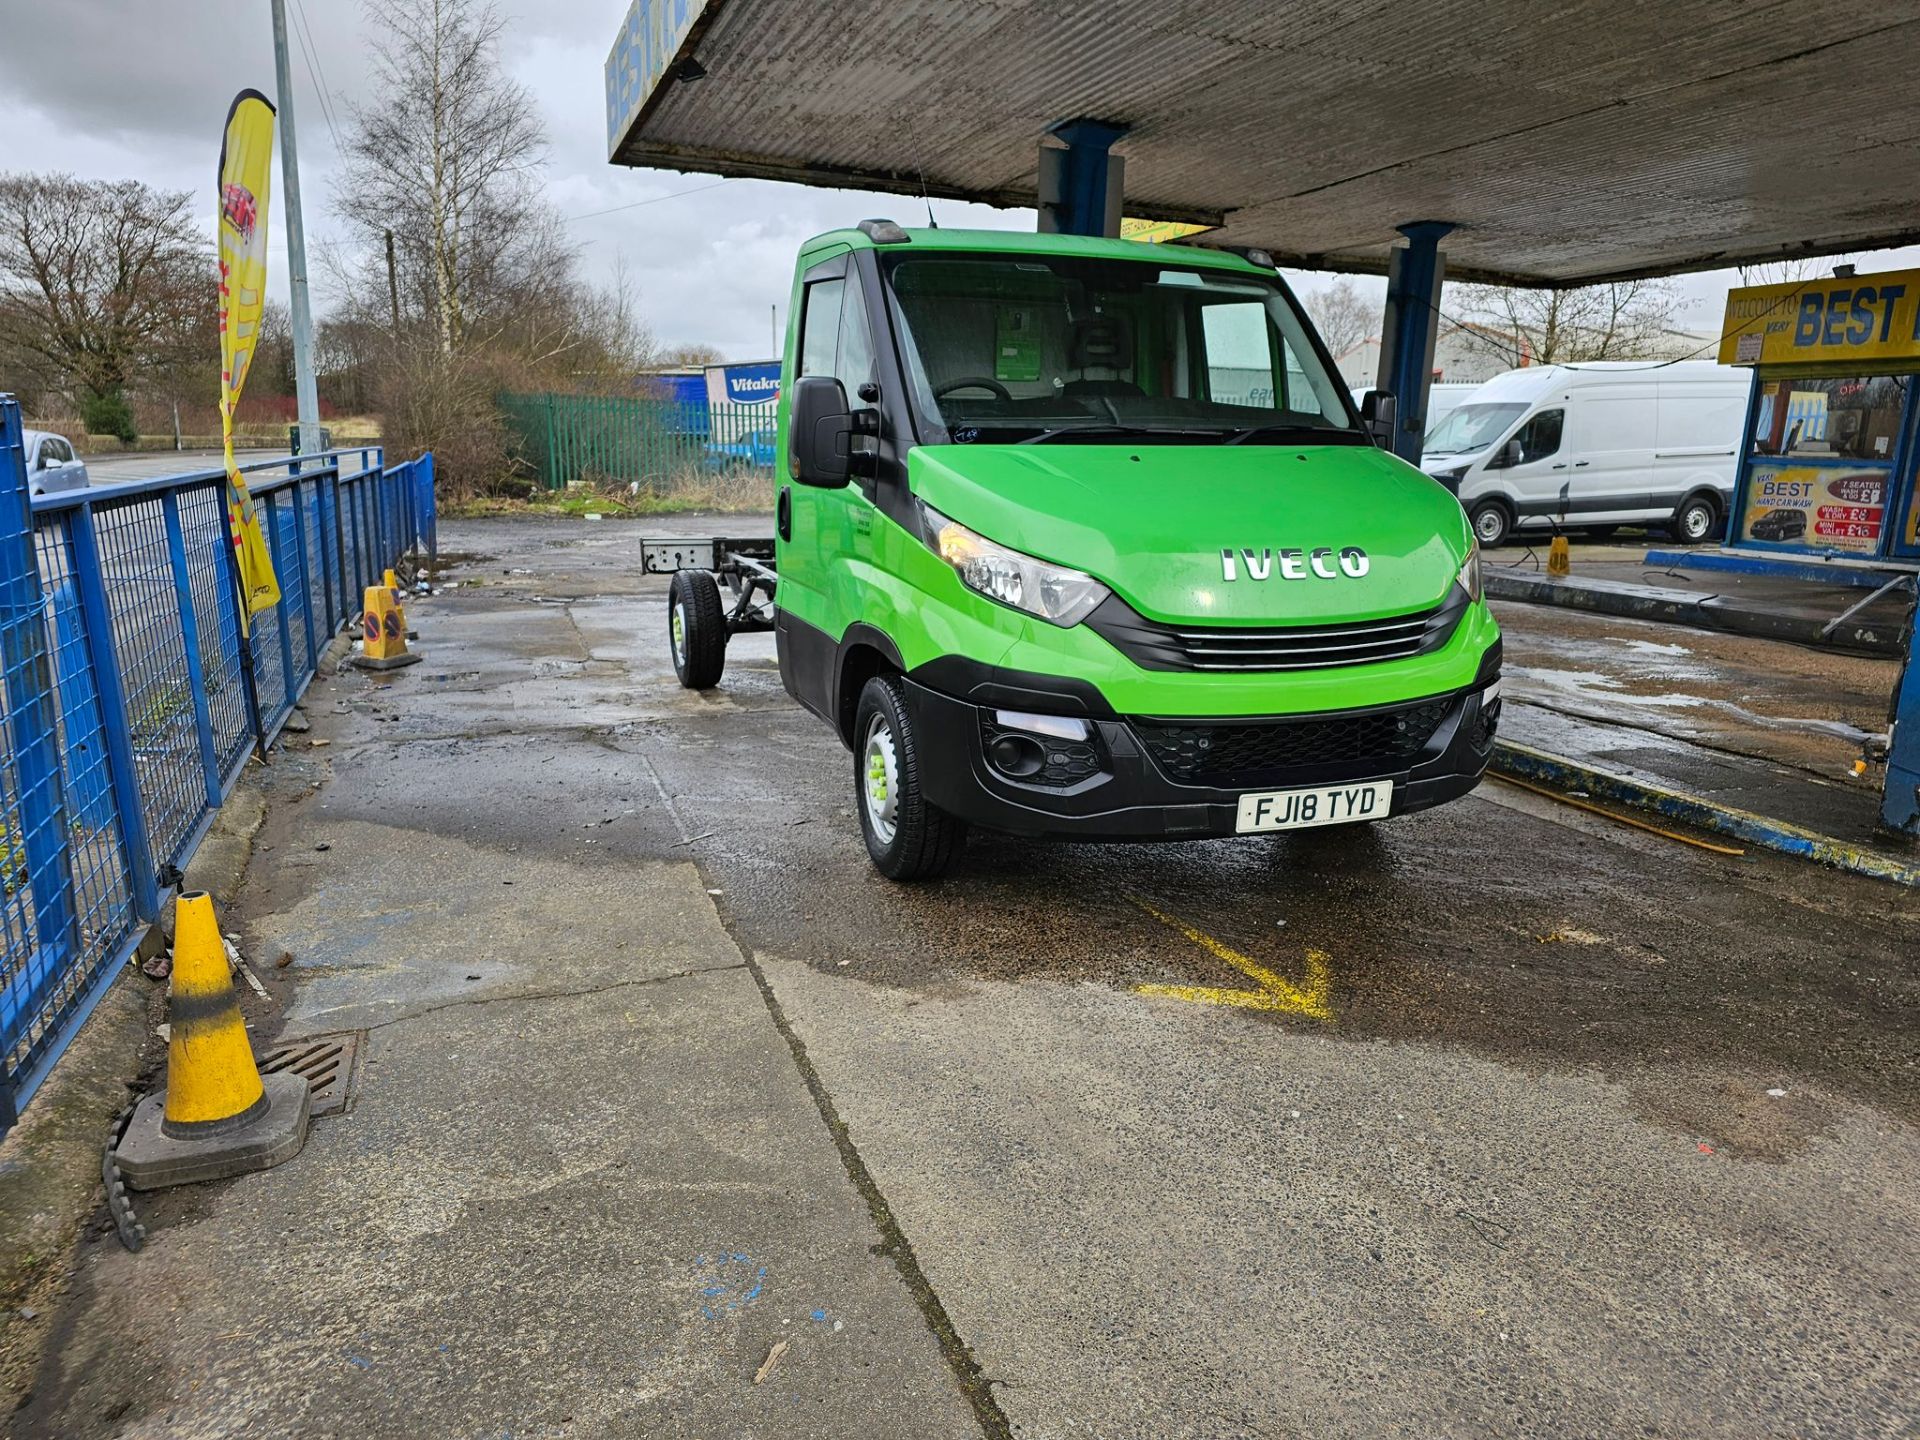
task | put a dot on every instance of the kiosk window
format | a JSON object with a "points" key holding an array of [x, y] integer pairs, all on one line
{"points": [[1849, 417]]}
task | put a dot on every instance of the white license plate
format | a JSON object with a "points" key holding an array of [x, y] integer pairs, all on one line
{"points": [[1323, 805]]}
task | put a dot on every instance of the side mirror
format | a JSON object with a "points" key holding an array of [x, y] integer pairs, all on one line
{"points": [[47, 462], [1510, 455], [1377, 412], [819, 433]]}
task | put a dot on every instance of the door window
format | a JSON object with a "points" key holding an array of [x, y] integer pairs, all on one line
{"points": [[1540, 436], [853, 356], [59, 450], [820, 326], [835, 338]]}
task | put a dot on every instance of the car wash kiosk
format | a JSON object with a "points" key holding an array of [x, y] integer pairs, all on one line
{"points": [[1829, 463]]}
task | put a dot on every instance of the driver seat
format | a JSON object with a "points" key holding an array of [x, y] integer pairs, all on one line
{"points": [[1100, 342]]}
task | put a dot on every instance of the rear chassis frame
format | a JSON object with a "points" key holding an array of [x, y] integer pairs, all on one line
{"points": [[744, 566]]}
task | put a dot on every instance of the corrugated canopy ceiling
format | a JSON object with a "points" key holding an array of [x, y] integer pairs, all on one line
{"points": [[1568, 142]]}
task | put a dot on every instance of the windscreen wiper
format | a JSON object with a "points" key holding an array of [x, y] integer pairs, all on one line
{"points": [[1294, 435], [1070, 430]]}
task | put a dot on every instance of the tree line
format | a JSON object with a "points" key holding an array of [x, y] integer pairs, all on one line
{"points": [[455, 277]]}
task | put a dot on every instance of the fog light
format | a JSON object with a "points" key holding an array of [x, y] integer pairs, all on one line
{"points": [[1018, 756]]}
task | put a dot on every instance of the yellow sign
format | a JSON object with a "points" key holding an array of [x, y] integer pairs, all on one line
{"points": [[1159, 232], [246, 166], [1860, 317]]}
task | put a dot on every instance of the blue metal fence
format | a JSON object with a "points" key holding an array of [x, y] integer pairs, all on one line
{"points": [[128, 707]]}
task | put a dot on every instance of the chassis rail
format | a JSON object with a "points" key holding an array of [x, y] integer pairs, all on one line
{"points": [[744, 566]]}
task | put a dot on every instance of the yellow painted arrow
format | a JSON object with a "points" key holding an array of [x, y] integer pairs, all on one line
{"points": [[1314, 999]]}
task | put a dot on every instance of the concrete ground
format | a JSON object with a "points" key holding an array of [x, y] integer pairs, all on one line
{"points": [[1548, 1126]]}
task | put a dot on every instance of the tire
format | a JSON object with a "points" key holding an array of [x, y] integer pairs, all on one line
{"points": [[907, 838], [1492, 523], [1696, 520], [696, 629]]}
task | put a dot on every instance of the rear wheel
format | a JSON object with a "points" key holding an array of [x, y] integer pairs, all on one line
{"points": [[1696, 519], [1492, 523], [696, 629], [907, 838]]}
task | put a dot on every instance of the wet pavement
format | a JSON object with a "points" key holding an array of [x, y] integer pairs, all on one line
{"points": [[1757, 724], [1522, 1123]]}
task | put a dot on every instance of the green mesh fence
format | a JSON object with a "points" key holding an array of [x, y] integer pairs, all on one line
{"points": [[604, 439]]}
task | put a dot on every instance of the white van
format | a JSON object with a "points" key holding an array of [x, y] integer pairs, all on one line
{"points": [[1595, 445]]}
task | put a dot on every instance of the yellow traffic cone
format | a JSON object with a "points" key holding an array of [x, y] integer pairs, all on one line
{"points": [[212, 1082], [217, 1116], [1559, 557], [384, 628]]}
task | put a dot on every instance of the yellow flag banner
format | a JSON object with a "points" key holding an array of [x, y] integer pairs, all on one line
{"points": [[246, 164]]}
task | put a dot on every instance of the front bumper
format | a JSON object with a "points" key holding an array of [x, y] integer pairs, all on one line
{"points": [[1133, 795]]}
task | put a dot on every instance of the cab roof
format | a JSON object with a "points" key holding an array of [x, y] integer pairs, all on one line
{"points": [[1028, 242]]}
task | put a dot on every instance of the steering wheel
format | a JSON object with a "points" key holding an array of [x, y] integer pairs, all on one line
{"points": [[973, 382]]}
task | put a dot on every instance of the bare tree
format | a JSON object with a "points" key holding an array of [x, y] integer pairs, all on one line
{"points": [[695, 354], [101, 282], [1792, 272], [1628, 320], [1342, 315], [446, 158]]}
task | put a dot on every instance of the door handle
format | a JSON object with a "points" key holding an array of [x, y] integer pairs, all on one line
{"points": [[1579, 464], [1561, 466], [783, 513]]}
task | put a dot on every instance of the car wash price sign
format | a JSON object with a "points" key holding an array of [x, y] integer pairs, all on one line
{"points": [[1815, 507]]}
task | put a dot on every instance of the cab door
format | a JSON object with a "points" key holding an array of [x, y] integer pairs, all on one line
{"points": [[824, 537], [1530, 464]]}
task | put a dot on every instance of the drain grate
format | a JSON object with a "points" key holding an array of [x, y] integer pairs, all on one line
{"points": [[328, 1062]]}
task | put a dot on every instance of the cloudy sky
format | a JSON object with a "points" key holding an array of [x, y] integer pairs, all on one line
{"points": [[149, 100]]}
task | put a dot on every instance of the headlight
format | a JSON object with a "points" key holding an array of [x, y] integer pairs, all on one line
{"points": [[1053, 592], [1469, 577], [1451, 478]]}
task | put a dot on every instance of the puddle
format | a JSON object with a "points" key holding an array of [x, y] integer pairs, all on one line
{"points": [[1654, 647]]}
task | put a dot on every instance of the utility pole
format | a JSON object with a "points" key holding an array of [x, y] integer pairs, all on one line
{"points": [[773, 328], [306, 394], [393, 286]]}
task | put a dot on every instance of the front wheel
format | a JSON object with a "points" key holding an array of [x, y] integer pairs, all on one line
{"points": [[696, 629], [1695, 520], [908, 838], [1492, 523]]}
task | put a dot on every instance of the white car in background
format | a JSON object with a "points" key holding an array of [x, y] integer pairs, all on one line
{"points": [[52, 465]]}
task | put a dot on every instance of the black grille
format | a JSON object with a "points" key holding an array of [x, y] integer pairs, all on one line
{"points": [[1253, 752], [1156, 645]]}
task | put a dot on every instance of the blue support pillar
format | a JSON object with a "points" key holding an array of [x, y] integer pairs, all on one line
{"points": [[1081, 195], [1413, 313], [1900, 806]]}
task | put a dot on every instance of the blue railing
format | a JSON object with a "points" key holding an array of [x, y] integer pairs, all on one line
{"points": [[129, 703]]}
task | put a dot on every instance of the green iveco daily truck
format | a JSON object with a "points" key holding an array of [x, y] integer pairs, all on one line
{"points": [[1082, 538]]}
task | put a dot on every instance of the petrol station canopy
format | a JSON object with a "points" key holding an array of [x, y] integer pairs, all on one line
{"points": [[1567, 143]]}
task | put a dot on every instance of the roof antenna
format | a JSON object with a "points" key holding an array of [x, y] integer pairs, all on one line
{"points": [[921, 170], [932, 223]]}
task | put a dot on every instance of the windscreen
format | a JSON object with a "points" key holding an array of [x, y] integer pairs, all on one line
{"points": [[1035, 348], [1471, 427]]}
